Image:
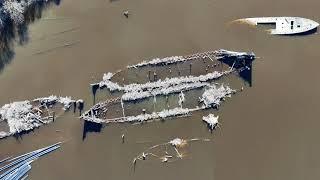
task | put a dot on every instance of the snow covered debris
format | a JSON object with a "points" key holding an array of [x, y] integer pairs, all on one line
{"points": [[158, 61], [21, 116], [67, 102], [211, 120], [107, 76], [144, 117], [177, 142], [169, 156], [51, 100], [218, 54], [26, 115], [213, 96], [225, 54]]}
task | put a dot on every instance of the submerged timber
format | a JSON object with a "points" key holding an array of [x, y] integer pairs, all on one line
{"points": [[285, 25]]}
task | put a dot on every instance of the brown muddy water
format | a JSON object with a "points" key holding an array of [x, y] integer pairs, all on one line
{"points": [[269, 131]]}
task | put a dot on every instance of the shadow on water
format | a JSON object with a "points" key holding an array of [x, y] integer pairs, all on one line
{"points": [[11, 32], [244, 68], [312, 31], [90, 127], [94, 89], [246, 74], [18, 136]]}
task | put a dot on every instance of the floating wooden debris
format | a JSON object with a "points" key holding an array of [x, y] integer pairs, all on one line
{"points": [[211, 120], [175, 145], [214, 95], [284, 25], [17, 168], [126, 13], [26, 115]]}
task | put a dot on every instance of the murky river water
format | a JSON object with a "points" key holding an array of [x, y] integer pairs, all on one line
{"points": [[269, 131]]}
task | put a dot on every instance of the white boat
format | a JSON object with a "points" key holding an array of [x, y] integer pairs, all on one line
{"points": [[285, 25]]}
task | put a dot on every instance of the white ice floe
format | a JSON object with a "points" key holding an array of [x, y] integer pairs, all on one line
{"points": [[211, 120], [214, 95]]}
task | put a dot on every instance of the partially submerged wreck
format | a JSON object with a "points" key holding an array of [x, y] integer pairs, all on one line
{"points": [[23, 116], [211, 97], [285, 25]]}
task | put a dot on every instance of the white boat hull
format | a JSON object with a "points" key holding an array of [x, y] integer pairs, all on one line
{"points": [[285, 25]]}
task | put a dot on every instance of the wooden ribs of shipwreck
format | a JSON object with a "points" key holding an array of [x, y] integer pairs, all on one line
{"points": [[212, 96]]}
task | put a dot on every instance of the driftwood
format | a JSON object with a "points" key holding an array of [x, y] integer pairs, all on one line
{"points": [[175, 144]]}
